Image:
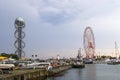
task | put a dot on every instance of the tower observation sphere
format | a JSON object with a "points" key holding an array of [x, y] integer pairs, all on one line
{"points": [[19, 22]]}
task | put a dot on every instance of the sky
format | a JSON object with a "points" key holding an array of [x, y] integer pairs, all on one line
{"points": [[56, 27]]}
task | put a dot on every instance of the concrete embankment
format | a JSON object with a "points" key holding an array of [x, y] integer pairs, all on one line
{"points": [[57, 70], [31, 74]]}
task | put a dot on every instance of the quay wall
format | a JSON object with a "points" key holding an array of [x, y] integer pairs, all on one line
{"points": [[31, 74]]}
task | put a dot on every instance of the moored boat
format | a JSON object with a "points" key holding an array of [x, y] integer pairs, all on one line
{"points": [[78, 65], [7, 68], [36, 65], [87, 61], [113, 62]]}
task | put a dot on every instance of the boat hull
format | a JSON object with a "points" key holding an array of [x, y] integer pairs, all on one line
{"points": [[87, 61], [113, 63], [78, 66]]}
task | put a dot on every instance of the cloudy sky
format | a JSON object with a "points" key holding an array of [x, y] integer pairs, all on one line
{"points": [[57, 26]]}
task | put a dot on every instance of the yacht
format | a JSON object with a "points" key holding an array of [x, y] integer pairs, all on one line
{"points": [[6, 68], [78, 63], [35, 65]]}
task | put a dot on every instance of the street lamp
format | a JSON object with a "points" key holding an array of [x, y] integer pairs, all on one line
{"points": [[34, 56]]}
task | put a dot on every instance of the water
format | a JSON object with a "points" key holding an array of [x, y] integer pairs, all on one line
{"points": [[90, 72]]}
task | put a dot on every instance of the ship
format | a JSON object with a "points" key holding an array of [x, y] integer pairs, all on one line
{"points": [[88, 61], [115, 60], [78, 63]]}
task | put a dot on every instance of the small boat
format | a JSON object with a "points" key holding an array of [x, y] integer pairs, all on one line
{"points": [[36, 65], [78, 63], [116, 59], [113, 62], [87, 61], [6, 68]]}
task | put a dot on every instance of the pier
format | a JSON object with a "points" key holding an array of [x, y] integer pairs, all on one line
{"points": [[31, 74]]}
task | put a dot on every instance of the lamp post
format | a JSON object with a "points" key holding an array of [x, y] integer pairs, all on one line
{"points": [[34, 56], [19, 35]]}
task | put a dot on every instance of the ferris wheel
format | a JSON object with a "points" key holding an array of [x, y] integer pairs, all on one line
{"points": [[89, 42]]}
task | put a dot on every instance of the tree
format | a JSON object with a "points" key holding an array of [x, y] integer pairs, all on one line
{"points": [[103, 56], [14, 56], [5, 55]]}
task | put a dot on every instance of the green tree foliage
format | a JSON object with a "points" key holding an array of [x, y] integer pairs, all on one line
{"points": [[5, 55], [14, 56], [103, 57]]}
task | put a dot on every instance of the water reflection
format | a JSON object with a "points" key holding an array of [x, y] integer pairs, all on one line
{"points": [[77, 74], [90, 72]]}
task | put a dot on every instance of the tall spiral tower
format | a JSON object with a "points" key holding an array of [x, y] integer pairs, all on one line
{"points": [[19, 35]]}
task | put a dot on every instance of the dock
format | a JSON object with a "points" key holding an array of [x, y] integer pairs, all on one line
{"points": [[32, 74]]}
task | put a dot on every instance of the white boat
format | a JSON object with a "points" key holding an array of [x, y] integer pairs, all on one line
{"points": [[107, 60], [36, 65], [115, 60], [87, 61], [3, 66], [6, 68], [33, 64], [78, 63]]}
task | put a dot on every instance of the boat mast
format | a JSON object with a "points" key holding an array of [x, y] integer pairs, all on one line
{"points": [[79, 53], [116, 50]]}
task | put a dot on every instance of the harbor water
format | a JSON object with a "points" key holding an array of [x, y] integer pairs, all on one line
{"points": [[90, 72]]}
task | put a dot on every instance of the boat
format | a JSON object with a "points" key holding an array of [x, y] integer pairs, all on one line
{"points": [[115, 60], [7, 68], [87, 61], [78, 63], [36, 65]]}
